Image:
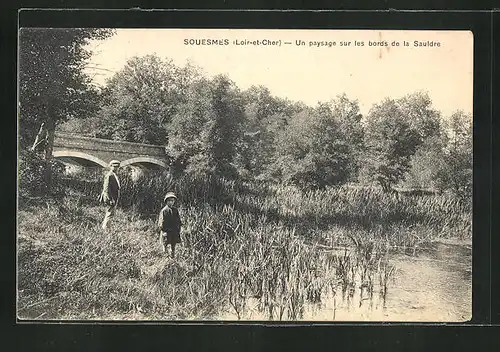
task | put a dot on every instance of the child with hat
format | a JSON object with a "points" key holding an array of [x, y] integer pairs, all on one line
{"points": [[169, 223]]}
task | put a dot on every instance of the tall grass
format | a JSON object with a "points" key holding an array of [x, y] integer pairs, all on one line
{"points": [[364, 208], [245, 247]]}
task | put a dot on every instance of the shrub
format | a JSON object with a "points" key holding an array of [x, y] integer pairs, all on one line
{"points": [[32, 176], [320, 147]]}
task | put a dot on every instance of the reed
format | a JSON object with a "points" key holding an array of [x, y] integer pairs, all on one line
{"points": [[244, 245]]}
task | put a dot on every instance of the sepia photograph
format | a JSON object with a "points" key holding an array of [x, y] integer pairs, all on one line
{"points": [[244, 175]]}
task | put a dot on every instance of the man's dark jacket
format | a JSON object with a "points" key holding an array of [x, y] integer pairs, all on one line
{"points": [[110, 189]]}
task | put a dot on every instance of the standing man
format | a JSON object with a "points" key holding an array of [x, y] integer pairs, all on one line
{"points": [[110, 192]]}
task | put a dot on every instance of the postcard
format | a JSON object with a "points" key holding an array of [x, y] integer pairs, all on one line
{"points": [[244, 175]]}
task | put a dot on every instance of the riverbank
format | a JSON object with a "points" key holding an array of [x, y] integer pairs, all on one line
{"points": [[264, 249]]}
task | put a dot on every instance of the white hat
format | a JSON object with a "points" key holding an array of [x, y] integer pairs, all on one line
{"points": [[169, 195], [114, 162]]}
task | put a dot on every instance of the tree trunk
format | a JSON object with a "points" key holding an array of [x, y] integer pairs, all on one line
{"points": [[51, 129], [41, 139], [49, 146]]}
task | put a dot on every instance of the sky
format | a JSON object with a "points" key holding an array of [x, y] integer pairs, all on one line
{"points": [[312, 73]]}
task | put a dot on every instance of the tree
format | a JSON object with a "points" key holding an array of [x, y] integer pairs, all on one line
{"points": [[184, 141], [321, 146], [426, 163], [205, 131], [222, 132], [395, 130], [141, 99], [265, 116], [455, 170], [348, 114], [53, 86], [417, 109]]}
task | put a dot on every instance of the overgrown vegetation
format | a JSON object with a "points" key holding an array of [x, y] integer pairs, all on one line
{"points": [[280, 251], [209, 126], [31, 177], [284, 204]]}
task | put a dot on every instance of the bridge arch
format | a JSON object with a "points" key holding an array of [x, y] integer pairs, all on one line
{"points": [[144, 159], [79, 155]]}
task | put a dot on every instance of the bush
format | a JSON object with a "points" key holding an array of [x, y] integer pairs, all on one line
{"points": [[320, 147], [445, 162], [32, 171], [455, 174]]}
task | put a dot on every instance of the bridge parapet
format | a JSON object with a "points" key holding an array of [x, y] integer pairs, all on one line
{"points": [[65, 140], [102, 151]]}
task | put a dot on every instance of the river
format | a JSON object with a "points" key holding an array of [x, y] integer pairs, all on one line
{"points": [[433, 285]]}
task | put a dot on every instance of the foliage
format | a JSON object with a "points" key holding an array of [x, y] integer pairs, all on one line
{"points": [[141, 99], [228, 260], [321, 146], [265, 117], [444, 162], [395, 129], [53, 86], [32, 169], [243, 242], [425, 164], [423, 118], [204, 133], [210, 127], [455, 169]]}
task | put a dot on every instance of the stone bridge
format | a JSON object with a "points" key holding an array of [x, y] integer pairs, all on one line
{"points": [[95, 152]]}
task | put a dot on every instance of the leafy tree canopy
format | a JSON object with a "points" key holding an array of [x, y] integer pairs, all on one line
{"points": [[395, 129], [53, 85], [141, 99], [321, 146], [204, 133]]}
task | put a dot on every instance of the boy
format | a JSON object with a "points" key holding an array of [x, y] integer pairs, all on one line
{"points": [[169, 223]]}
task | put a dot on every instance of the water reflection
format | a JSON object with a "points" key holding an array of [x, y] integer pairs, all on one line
{"points": [[432, 285]]}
